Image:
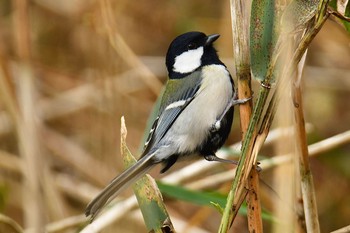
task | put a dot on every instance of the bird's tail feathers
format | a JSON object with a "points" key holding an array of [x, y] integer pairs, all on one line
{"points": [[118, 184]]}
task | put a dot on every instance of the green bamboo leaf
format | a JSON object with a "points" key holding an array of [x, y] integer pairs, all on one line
{"points": [[298, 13], [195, 197], [148, 195], [203, 198], [261, 36]]}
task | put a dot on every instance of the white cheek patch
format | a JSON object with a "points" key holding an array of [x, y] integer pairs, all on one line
{"points": [[188, 61]]}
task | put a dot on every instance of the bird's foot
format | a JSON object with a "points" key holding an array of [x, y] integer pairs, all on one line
{"points": [[234, 101], [213, 157]]}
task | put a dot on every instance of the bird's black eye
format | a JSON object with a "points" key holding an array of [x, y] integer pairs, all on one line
{"points": [[191, 46]]}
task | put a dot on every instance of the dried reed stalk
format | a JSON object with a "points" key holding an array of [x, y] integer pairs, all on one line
{"points": [[240, 29], [33, 208], [306, 181]]}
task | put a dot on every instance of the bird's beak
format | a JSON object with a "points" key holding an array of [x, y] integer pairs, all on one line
{"points": [[211, 39]]}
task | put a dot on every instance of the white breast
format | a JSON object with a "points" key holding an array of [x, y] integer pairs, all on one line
{"points": [[191, 127]]}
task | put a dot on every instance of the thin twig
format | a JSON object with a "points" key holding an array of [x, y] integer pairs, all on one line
{"points": [[338, 15], [342, 230]]}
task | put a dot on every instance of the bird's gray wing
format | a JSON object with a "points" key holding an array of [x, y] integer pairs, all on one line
{"points": [[179, 96]]}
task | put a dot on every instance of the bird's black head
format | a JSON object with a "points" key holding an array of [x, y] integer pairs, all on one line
{"points": [[190, 51]]}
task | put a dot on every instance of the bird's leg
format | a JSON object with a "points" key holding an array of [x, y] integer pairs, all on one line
{"points": [[213, 157], [234, 101]]}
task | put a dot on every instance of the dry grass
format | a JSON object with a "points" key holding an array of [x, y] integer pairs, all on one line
{"points": [[70, 69]]}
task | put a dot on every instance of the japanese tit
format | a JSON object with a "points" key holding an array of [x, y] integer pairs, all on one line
{"points": [[195, 114]]}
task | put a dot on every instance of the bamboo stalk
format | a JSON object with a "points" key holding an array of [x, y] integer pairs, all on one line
{"points": [[245, 164], [240, 29], [307, 186], [253, 201], [150, 199], [251, 145]]}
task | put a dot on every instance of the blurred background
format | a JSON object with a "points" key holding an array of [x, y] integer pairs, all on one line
{"points": [[71, 69]]}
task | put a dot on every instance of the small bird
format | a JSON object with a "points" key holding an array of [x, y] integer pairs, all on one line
{"points": [[194, 117]]}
